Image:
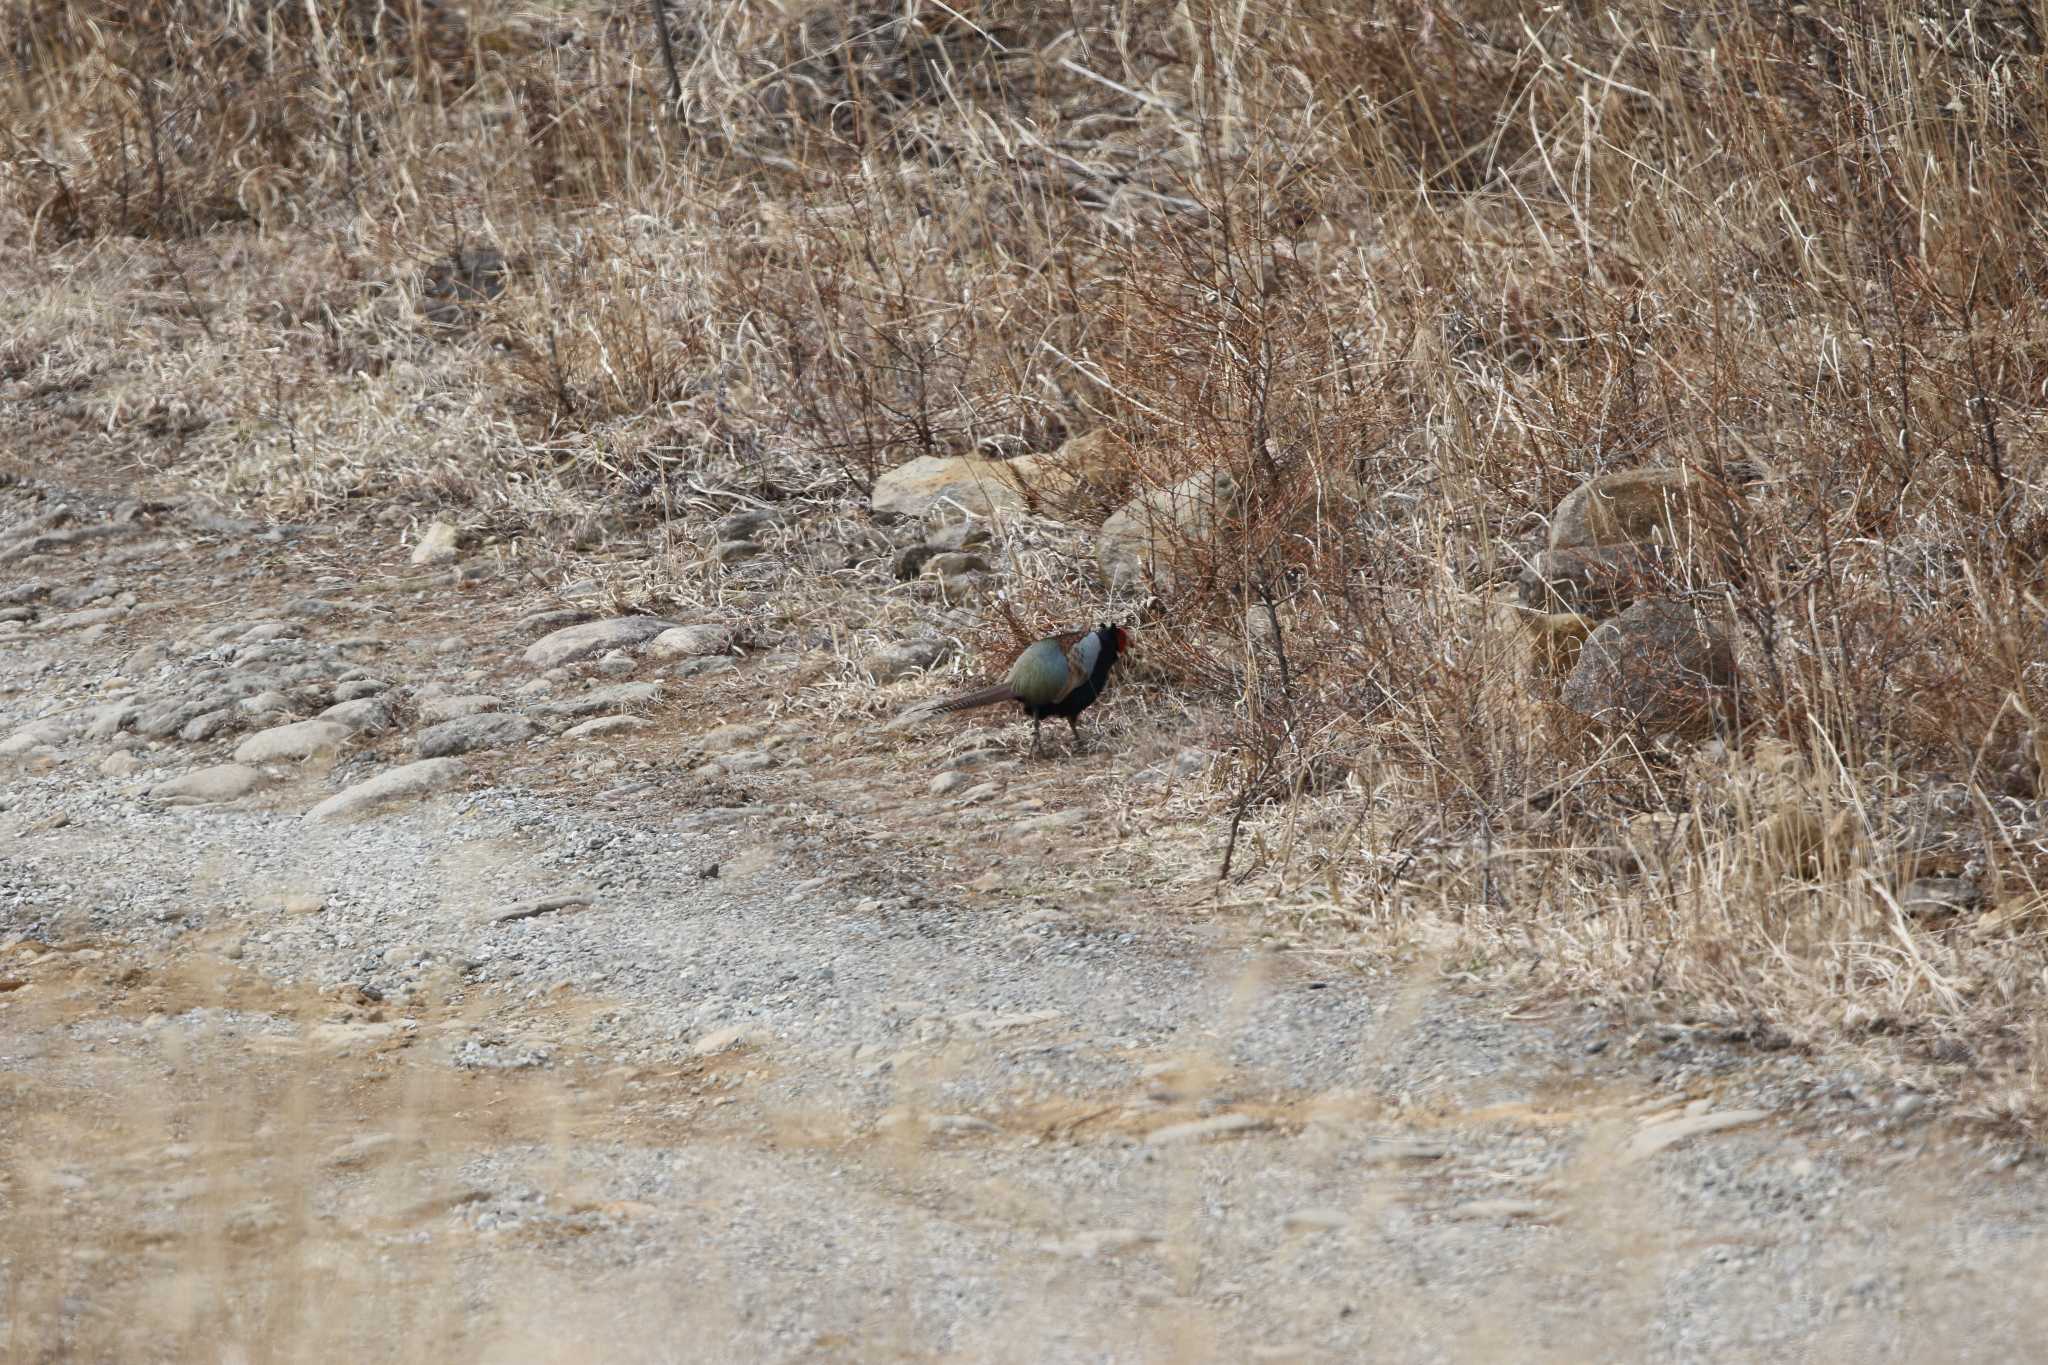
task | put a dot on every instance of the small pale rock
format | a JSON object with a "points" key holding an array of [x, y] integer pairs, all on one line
{"points": [[222, 782], [727, 737], [302, 739], [1936, 897], [1501, 1208], [958, 1123], [684, 642], [591, 638], [605, 726], [438, 544], [1088, 1246], [1223, 1125], [434, 710], [466, 734], [362, 1151], [1654, 1138], [721, 1040], [413, 779], [1315, 1220]]}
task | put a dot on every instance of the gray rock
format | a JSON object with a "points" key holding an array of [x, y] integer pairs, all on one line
{"points": [[1938, 897], [1153, 533], [592, 638], [963, 484], [957, 562], [957, 535], [684, 642], [466, 734], [204, 727], [394, 784], [223, 782], [1629, 505], [617, 697], [434, 710], [438, 544], [364, 715], [905, 657], [696, 668], [265, 704], [604, 726], [76, 620], [728, 737], [299, 740], [1599, 581], [1661, 667], [107, 721], [38, 735]]}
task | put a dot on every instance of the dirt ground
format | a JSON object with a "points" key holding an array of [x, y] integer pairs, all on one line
{"points": [[812, 1064]]}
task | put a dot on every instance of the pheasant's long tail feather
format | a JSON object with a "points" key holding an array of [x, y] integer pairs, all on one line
{"points": [[987, 696]]}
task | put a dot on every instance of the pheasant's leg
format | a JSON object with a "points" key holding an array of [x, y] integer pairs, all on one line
{"points": [[1036, 721], [1074, 724]]}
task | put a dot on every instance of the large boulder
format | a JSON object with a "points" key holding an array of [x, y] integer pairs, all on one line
{"points": [[1663, 667], [1095, 463], [1629, 505], [961, 484], [1152, 534], [1599, 581]]}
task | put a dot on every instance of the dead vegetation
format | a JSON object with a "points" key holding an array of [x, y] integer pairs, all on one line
{"points": [[1400, 276]]}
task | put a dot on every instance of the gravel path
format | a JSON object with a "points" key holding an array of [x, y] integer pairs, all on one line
{"points": [[360, 996]]}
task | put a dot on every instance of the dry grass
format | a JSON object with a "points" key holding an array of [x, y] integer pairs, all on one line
{"points": [[1407, 273]]}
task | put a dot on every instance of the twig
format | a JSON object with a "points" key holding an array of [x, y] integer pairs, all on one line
{"points": [[668, 55], [546, 905]]}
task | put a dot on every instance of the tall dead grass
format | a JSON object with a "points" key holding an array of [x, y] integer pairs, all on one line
{"points": [[1404, 274]]}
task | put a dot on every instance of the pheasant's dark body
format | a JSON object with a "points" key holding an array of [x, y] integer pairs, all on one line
{"points": [[1057, 677]]}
